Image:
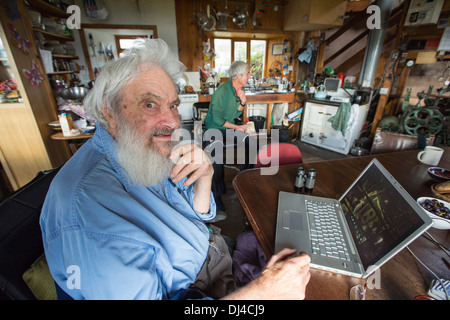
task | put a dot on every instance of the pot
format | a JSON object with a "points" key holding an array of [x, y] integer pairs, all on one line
{"points": [[240, 17], [361, 97]]}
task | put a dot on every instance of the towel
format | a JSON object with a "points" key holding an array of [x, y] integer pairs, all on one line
{"points": [[340, 119], [248, 258], [307, 54]]}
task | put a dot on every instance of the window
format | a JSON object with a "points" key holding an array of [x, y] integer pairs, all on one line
{"points": [[222, 49], [124, 42], [257, 58], [240, 51], [229, 50]]}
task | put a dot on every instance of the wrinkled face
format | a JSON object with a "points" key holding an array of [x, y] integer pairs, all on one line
{"points": [[243, 78], [149, 106]]}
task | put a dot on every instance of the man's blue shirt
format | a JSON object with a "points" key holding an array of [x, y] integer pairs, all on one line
{"points": [[107, 238]]}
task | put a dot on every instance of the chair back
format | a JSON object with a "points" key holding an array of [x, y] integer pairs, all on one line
{"points": [[20, 235], [285, 152]]}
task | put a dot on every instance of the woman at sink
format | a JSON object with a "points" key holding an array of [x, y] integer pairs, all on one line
{"points": [[229, 100], [227, 104]]}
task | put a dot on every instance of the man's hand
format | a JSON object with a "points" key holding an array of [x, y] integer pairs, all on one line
{"points": [[192, 162], [241, 94], [283, 278]]}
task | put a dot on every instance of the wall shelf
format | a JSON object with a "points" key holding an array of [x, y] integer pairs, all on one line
{"points": [[40, 5], [53, 35]]}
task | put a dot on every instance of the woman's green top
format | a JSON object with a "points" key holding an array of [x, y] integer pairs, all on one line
{"points": [[223, 107]]}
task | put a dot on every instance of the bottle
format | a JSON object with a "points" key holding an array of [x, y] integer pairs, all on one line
{"points": [[211, 88], [310, 180], [299, 180]]}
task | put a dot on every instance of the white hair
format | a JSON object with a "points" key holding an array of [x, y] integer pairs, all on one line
{"points": [[116, 74], [237, 67]]}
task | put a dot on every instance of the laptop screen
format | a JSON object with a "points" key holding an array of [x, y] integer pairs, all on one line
{"points": [[378, 215]]}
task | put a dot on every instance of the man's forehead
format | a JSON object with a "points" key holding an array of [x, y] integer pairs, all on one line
{"points": [[154, 83]]}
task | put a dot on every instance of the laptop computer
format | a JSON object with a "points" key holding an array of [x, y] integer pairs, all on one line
{"points": [[372, 221]]}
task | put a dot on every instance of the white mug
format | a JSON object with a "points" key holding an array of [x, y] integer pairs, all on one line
{"points": [[431, 155]]}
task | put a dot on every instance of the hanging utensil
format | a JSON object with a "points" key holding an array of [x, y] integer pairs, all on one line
{"points": [[222, 17], [240, 17], [210, 21]]}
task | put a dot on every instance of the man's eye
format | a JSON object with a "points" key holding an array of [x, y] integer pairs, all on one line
{"points": [[174, 106], [150, 105]]}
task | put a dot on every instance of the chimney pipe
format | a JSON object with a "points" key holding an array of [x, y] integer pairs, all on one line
{"points": [[375, 46]]}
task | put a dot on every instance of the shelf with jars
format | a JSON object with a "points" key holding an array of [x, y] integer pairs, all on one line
{"points": [[26, 145]]}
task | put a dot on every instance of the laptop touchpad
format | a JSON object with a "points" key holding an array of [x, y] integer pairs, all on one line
{"points": [[293, 220]]}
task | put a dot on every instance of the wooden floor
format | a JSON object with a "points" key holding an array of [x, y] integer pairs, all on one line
{"points": [[235, 222]]}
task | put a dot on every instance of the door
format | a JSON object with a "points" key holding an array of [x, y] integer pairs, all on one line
{"points": [[313, 122], [331, 138]]}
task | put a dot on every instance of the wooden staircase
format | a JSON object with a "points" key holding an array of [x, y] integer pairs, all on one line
{"points": [[349, 57], [357, 23]]}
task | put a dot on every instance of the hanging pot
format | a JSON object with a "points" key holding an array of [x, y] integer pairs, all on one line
{"points": [[240, 17]]}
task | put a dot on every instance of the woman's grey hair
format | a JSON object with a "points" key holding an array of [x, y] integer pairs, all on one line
{"points": [[237, 67], [115, 75]]}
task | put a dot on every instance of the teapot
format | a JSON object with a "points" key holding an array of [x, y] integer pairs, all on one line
{"points": [[320, 92]]}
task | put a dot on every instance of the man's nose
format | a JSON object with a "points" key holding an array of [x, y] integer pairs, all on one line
{"points": [[169, 117]]}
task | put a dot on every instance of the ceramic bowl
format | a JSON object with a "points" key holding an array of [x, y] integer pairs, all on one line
{"points": [[88, 129], [438, 222], [440, 174]]}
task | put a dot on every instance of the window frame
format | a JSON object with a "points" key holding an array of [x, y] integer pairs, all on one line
{"points": [[247, 41]]}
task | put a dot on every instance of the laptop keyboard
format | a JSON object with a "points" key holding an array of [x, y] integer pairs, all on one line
{"points": [[326, 234]]}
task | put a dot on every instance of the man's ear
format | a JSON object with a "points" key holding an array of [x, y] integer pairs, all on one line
{"points": [[110, 118]]}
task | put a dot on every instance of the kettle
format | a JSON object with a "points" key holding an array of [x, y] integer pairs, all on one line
{"points": [[320, 93]]}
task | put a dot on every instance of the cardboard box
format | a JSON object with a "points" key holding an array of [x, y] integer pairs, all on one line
{"points": [[65, 120]]}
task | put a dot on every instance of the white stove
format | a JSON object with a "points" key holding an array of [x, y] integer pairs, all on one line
{"points": [[185, 109]]}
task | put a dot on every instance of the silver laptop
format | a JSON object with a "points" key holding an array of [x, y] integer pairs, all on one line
{"points": [[355, 235]]}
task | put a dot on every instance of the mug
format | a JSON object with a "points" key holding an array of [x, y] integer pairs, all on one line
{"points": [[430, 155]]}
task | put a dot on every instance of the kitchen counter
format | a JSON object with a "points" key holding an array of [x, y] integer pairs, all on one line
{"points": [[268, 97]]}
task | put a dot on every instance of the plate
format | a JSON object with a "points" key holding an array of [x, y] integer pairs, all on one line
{"points": [[439, 174], [55, 124], [438, 222]]}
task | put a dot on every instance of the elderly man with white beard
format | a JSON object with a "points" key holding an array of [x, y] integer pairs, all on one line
{"points": [[127, 216]]}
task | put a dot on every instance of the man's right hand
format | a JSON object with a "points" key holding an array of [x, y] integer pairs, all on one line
{"points": [[284, 278]]}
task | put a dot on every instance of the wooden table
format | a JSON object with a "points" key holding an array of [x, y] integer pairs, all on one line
{"points": [[402, 277], [74, 142]]}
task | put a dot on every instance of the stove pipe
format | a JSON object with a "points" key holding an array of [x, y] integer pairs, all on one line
{"points": [[375, 44]]}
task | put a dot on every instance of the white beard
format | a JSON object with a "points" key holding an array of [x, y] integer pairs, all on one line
{"points": [[138, 156]]}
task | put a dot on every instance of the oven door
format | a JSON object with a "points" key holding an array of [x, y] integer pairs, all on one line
{"points": [[185, 111], [200, 109]]}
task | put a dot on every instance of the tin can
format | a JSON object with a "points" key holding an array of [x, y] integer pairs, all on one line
{"points": [[310, 180], [299, 180]]}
